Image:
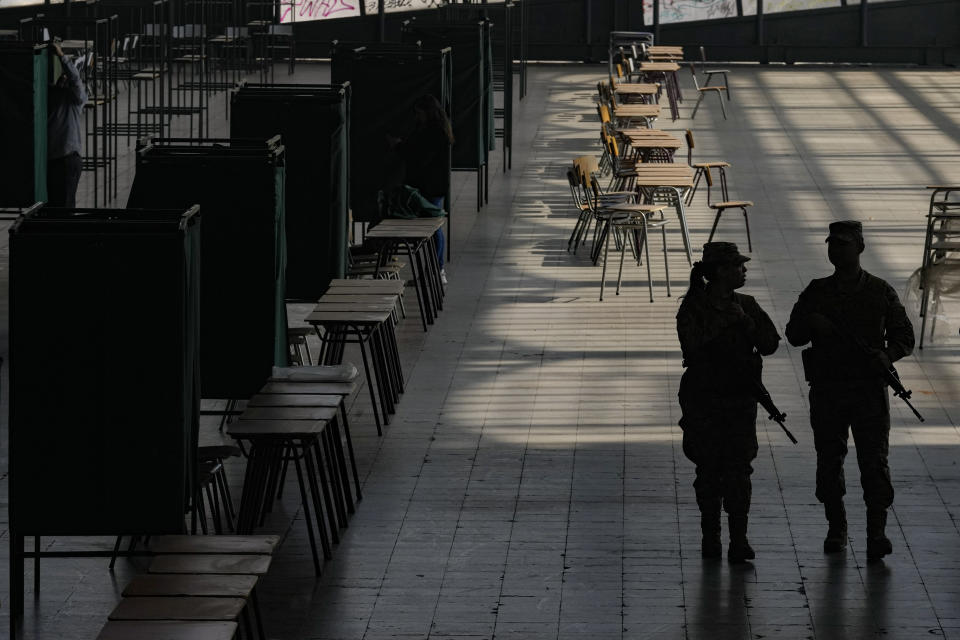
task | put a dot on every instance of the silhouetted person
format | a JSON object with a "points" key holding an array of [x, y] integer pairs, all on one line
{"points": [[65, 102], [722, 335], [858, 328], [425, 152]]}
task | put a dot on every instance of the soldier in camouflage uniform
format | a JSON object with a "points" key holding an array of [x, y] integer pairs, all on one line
{"points": [[858, 328], [722, 335]]}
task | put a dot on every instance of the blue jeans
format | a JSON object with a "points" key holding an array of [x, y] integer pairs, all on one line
{"points": [[438, 236]]}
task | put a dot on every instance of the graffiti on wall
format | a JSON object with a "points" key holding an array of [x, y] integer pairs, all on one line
{"points": [[685, 10], [391, 6], [303, 10]]}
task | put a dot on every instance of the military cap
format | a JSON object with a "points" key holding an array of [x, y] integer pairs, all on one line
{"points": [[722, 253], [848, 230]]}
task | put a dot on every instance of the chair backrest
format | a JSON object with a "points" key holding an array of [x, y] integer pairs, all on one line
{"points": [[604, 112], [689, 137], [589, 166], [619, 70], [636, 54]]}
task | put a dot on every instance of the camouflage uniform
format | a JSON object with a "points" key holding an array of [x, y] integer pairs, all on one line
{"points": [[720, 352], [846, 391]]}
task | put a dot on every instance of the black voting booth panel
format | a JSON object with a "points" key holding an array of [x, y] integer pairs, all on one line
{"points": [[239, 186], [385, 81], [469, 115], [24, 75], [313, 123], [504, 43], [104, 371]]}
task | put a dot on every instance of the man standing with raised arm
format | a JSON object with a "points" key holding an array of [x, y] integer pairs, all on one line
{"points": [[66, 99], [858, 328]]}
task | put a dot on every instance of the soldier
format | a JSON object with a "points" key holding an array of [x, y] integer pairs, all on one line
{"points": [[858, 329], [722, 335]]}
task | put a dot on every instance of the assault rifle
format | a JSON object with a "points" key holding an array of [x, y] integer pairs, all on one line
{"points": [[765, 401], [890, 376]]}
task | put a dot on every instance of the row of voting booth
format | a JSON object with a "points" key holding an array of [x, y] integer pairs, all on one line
{"points": [[179, 297], [182, 295]]}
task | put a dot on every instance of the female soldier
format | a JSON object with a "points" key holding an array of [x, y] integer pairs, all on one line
{"points": [[722, 336]]}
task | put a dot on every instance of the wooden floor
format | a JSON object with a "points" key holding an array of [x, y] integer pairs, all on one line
{"points": [[532, 485]]}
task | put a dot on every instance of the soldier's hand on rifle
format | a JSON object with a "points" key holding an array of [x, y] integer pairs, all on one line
{"points": [[821, 326]]}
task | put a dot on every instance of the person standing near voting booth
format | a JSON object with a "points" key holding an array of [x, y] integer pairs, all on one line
{"points": [[65, 102], [424, 152], [723, 335], [858, 328]]}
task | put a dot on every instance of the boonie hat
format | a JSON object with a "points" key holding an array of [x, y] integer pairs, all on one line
{"points": [[846, 230], [722, 253]]}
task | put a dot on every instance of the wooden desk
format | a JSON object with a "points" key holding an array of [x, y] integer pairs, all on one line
{"points": [[666, 183], [636, 88], [653, 147], [667, 71], [415, 236], [646, 112]]}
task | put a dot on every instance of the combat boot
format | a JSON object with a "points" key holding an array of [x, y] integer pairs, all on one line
{"points": [[878, 544], [739, 549], [710, 546], [836, 539]]}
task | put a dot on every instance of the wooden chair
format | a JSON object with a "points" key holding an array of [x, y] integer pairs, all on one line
{"points": [[703, 91], [595, 200], [726, 203], [700, 168], [709, 73]]}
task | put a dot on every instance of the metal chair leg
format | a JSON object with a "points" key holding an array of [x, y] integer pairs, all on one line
{"points": [[606, 251], [696, 106], [666, 261], [716, 221], [746, 221]]}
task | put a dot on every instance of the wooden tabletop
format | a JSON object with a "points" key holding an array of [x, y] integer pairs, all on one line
{"points": [[662, 67], [664, 48], [643, 88], [348, 317], [660, 139], [323, 388], [345, 303], [183, 585], [293, 400], [373, 285], [212, 564], [347, 292], [153, 608], [167, 630], [636, 110], [405, 228], [264, 544], [288, 413], [264, 429]]}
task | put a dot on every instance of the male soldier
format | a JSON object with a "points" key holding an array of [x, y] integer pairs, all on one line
{"points": [[858, 328]]}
